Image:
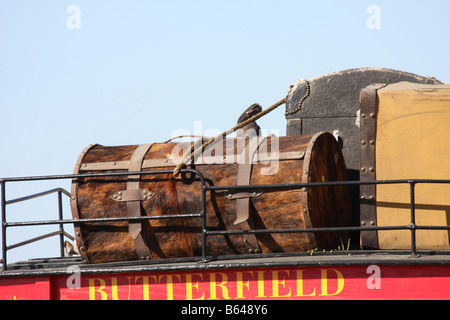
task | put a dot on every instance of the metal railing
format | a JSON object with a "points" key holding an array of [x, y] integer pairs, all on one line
{"points": [[412, 226], [61, 232]]}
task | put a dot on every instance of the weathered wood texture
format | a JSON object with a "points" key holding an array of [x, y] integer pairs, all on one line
{"points": [[171, 238]]}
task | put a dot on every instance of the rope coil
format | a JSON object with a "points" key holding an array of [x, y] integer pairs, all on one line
{"points": [[194, 152]]}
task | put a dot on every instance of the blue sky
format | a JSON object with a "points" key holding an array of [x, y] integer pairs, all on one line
{"points": [[136, 71]]}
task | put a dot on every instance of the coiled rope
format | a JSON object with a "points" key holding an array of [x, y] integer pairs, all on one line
{"points": [[194, 152]]}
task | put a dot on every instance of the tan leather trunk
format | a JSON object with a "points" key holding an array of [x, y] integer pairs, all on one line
{"points": [[405, 134]]}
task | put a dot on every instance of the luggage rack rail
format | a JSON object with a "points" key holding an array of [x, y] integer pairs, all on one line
{"points": [[412, 226]]}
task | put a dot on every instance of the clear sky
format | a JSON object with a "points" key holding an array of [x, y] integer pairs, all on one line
{"points": [[122, 72]]}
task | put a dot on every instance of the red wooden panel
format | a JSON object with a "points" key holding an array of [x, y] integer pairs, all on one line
{"points": [[330, 282], [25, 288]]}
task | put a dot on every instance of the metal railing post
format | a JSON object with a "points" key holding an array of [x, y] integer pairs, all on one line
{"points": [[412, 199], [204, 231], [61, 225], [3, 206]]}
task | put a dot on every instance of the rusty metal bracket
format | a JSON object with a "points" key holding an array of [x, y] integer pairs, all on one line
{"points": [[132, 195], [242, 195]]}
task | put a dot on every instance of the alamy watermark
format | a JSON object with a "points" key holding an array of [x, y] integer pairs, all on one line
{"points": [[373, 22], [374, 280], [73, 21], [74, 281]]}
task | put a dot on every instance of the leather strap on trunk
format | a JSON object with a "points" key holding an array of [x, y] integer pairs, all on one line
{"points": [[134, 206], [243, 204]]}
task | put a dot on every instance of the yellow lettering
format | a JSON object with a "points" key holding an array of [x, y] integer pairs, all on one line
{"points": [[114, 293], [324, 282], [129, 287], [276, 283], [213, 286], [300, 292], [169, 284], [260, 284], [190, 286], [145, 286], [93, 290], [240, 284]]}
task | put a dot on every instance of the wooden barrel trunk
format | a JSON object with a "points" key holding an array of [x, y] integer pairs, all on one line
{"points": [[273, 160]]}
